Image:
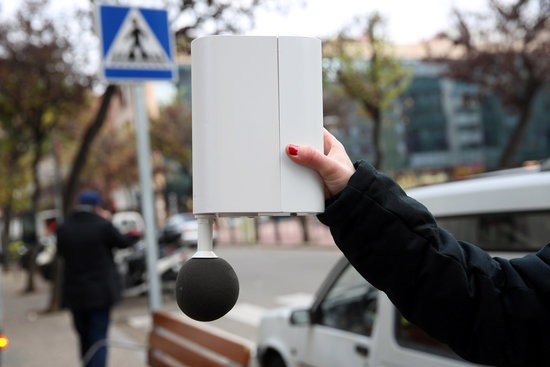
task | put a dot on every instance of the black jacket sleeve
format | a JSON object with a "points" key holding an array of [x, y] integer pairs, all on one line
{"points": [[489, 310], [115, 239]]}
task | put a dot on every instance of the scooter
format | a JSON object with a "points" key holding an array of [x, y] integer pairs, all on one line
{"points": [[132, 266]]}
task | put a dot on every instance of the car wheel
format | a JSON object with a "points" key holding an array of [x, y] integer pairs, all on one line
{"points": [[273, 359]]}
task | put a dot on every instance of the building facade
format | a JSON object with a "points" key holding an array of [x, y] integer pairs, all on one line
{"points": [[440, 124]]}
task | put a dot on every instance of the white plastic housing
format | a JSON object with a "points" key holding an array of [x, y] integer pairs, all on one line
{"points": [[252, 96]]}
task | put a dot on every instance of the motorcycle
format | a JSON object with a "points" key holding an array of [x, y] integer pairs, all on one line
{"points": [[132, 265]]}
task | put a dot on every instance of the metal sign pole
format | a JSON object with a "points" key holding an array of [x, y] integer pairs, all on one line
{"points": [[137, 45], [147, 200]]}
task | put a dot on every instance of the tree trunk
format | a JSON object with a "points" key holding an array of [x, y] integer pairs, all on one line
{"points": [[276, 229], [34, 247], [376, 143], [7, 211], [35, 174], [305, 233], [376, 115], [256, 230], [56, 290], [518, 132], [31, 270], [80, 159]]}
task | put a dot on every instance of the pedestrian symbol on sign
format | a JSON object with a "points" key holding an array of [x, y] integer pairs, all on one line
{"points": [[136, 34], [136, 44]]}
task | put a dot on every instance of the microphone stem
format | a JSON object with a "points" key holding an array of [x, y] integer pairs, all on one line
{"points": [[204, 241]]}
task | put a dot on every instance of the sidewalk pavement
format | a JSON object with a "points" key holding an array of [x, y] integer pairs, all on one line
{"points": [[38, 339]]}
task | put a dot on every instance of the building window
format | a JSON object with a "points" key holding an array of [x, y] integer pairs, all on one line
{"points": [[501, 231]]}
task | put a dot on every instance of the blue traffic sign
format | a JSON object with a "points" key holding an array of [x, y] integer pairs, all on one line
{"points": [[136, 44]]}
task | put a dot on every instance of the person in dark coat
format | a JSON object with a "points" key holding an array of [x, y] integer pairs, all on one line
{"points": [[488, 310], [91, 284]]}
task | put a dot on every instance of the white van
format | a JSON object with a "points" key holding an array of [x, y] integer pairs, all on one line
{"points": [[352, 324]]}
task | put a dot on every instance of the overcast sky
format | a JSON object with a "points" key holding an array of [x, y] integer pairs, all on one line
{"points": [[406, 21]]}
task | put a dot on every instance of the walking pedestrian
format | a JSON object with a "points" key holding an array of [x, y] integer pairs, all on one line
{"points": [[91, 284]]}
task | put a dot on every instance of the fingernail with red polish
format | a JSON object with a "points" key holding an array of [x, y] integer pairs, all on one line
{"points": [[293, 149]]}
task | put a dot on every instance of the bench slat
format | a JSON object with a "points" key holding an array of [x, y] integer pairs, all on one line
{"points": [[181, 352], [217, 343], [154, 360]]}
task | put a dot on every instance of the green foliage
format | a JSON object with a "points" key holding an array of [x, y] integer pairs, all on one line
{"points": [[505, 51], [372, 76], [39, 88], [16, 173], [171, 132]]}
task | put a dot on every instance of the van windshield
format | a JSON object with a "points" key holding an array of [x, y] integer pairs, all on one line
{"points": [[520, 231]]}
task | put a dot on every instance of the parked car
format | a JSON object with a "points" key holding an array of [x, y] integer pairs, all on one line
{"points": [[351, 323], [127, 221], [42, 246], [183, 229], [132, 266]]}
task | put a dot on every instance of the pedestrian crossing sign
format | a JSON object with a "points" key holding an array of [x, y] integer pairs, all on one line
{"points": [[136, 44]]}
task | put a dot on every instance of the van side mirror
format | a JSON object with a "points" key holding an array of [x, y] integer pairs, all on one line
{"points": [[300, 317]]}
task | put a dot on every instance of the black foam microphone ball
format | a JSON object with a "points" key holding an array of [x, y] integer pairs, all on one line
{"points": [[206, 288]]}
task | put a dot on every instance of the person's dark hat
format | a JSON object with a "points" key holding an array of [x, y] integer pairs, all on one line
{"points": [[89, 198]]}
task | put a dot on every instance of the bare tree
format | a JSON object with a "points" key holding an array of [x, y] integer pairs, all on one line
{"points": [[79, 160], [505, 52]]}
